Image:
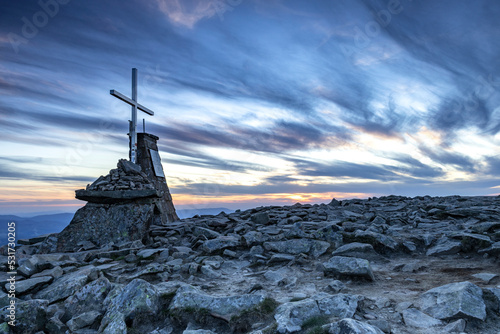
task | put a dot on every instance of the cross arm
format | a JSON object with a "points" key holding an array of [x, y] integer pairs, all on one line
{"points": [[131, 102]]}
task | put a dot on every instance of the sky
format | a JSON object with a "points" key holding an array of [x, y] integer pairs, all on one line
{"points": [[257, 102]]}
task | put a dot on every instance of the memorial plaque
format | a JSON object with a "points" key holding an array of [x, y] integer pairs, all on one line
{"points": [[155, 158]]}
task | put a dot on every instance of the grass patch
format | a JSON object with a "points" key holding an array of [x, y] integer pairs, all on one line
{"points": [[315, 322]]}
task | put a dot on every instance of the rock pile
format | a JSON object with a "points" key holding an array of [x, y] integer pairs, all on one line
{"points": [[127, 176], [382, 265]]}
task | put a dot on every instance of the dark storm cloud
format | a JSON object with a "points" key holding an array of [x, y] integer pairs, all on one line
{"points": [[416, 168]]}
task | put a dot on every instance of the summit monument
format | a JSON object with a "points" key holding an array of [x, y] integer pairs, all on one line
{"points": [[122, 205]]}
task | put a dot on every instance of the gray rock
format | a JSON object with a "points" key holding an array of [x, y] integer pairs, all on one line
{"points": [[415, 318], [472, 241], [260, 218], [359, 250], [138, 298], [219, 244], [188, 297], [102, 224], [198, 331], [492, 298], [56, 326], [493, 250], [88, 298], [455, 327], [27, 285], [254, 238], [336, 286], [30, 316], [486, 277], [445, 246], [342, 266], [351, 326], [379, 241], [209, 234], [297, 246], [55, 272], [66, 285], [454, 300], [149, 253], [290, 316], [83, 320], [277, 258]]}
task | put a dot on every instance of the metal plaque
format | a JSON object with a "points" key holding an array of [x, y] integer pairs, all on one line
{"points": [[155, 159]]}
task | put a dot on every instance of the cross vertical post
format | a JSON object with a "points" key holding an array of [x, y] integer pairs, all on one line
{"points": [[133, 127], [133, 122]]}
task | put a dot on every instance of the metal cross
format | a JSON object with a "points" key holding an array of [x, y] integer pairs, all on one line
{"points": [[135, 106]]}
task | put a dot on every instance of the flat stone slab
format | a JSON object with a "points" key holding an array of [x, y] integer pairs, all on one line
{"points": [[415, 318], [349, 266], [453, 301], [114, 196]]}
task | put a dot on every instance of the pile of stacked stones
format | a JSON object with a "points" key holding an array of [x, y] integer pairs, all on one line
{"points": [[380, 265], [127, 176]]}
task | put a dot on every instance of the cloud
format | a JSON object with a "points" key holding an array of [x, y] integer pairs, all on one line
{"points": [[188, 12], [443, 157]]}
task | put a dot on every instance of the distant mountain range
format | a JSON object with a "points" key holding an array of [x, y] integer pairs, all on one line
{"points": [[29, 227]]}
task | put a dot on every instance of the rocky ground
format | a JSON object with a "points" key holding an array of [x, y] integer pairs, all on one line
{"points": [[382, 265]]}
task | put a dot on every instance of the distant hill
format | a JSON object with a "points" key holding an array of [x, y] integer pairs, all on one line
{"points": [[188, 213], [29, 227]]}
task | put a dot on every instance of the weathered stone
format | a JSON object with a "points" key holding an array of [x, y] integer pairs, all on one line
{"points": [[493, 250], [66, 285], [445, 246], [209, 234], [455, 326], [102, 224], [492, 298], [454, 300], [30, 316], [290, 316], [359, 250], [136, 298], [219, 244], [55, 272], [189, 298], [148, 253], [379, 241], [83, 320], [260, 218], [27, 285], [297, 246], [486, 277], [88, 298], [342, 266], [351, 326], [254, 238], [277, 258], [415, 318]]}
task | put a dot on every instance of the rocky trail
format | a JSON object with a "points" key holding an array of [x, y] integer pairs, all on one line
{"points": [[380, 265]]}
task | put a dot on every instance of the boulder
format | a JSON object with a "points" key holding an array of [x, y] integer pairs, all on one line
{"points": [[290, 316], [138, 298], [351, 326], [359, 250], [297, 246], [30, 316], [454, 300], [66, 285], [219, 244], [88, 298], [188, 297], [415, 318], [342, 266]]}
